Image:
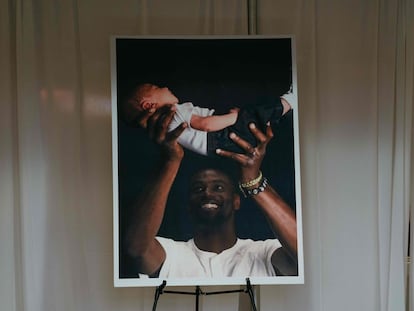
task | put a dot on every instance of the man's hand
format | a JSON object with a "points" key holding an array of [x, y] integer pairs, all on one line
{"points": [[156, 123], [251, 160]]}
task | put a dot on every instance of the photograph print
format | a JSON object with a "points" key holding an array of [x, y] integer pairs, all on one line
{"points": [[206, 172]]}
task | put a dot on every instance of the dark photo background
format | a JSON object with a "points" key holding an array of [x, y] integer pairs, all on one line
{"points": [[214, 73]]}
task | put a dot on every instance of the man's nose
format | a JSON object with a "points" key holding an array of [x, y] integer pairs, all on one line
{"points": [[207, 191]]}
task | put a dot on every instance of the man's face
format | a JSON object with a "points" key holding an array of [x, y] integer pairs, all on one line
{"points": [[212, 198]]}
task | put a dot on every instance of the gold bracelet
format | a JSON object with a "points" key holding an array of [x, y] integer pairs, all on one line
{"points": [[253, 181]]}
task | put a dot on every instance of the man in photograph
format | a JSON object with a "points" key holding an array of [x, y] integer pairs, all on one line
{"points": [[215, 250]]}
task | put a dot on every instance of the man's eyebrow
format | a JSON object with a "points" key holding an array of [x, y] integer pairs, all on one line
{"points": [[221, 180], [217, 180]]}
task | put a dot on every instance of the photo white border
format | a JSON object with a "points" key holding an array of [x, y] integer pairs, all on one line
{"points": [[149, 282]]}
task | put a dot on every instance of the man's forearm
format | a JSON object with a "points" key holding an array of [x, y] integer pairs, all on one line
{"points": [[281, 218], [149, 208]]}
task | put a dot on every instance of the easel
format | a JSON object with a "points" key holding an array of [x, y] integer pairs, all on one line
{"points": [[160, 290]]}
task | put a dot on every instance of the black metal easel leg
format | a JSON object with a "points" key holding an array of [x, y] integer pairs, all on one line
{"points": [[158, 292], [197, 293], [249, 290]]}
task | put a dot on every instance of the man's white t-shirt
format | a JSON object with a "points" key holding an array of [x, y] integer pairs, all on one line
{"points": [[246, 258]]}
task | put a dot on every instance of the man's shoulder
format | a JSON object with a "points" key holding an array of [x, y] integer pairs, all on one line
{"points": [[255, 245], [168, 242]]}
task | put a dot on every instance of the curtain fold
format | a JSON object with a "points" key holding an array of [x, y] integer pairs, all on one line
{"points": [[391, 153], [10, 282], [395, 140], [408, 70], [355, 85]]}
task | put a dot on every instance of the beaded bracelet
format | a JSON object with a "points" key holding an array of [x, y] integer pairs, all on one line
{"points": [[251, 192]]}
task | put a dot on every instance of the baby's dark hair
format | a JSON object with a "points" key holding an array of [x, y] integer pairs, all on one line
{"points": [[129, 107]]}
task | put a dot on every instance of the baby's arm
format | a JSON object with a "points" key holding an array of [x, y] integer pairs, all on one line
{"points": [[213, 123]]}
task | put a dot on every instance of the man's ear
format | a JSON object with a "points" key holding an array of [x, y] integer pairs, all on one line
{"points": [[236, 202]]}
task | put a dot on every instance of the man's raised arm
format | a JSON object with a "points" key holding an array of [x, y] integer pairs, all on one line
{"points": [[148, 209], [280, 216]]}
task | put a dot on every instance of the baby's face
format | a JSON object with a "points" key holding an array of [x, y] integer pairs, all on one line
{"points": [[160, 96], [148, 98]]}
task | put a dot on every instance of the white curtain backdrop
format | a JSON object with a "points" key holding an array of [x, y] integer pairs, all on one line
{"points": [[355, 82]]}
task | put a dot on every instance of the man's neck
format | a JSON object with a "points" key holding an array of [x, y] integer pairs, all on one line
{"points": [[216, 240]]}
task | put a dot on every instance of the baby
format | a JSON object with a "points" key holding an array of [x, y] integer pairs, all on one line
{"points": [[206, 132]]}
